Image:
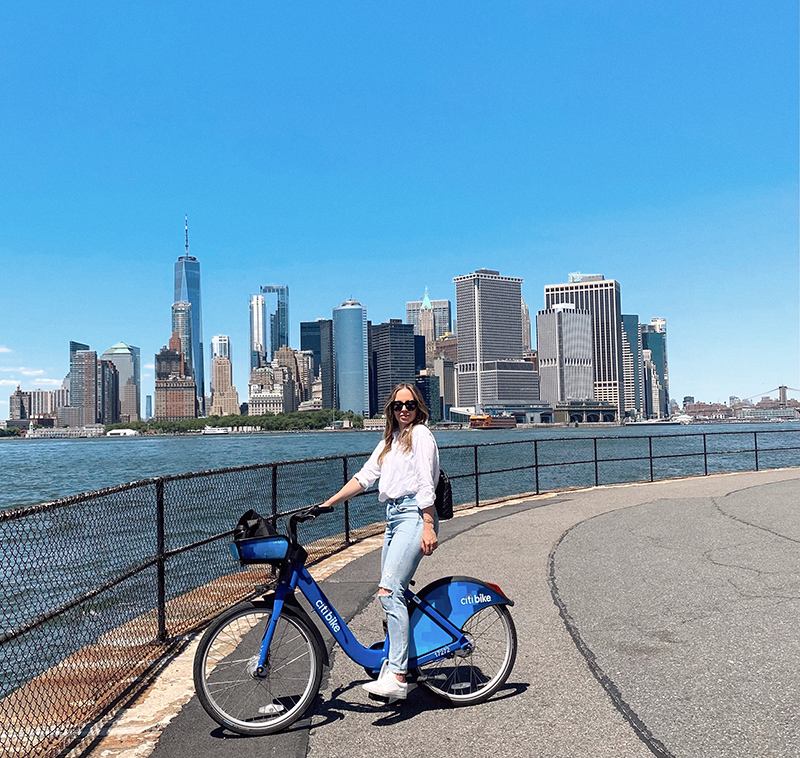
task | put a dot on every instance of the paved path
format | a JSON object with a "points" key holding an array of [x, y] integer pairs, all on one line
{"points": [[673, 632]]}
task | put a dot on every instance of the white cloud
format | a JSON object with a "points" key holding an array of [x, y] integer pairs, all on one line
{"points": [[150, 365], [4, 349], [22, 370], [38, 382]]}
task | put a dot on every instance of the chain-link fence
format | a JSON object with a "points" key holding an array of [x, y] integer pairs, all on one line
{"points": [[99, 587]]}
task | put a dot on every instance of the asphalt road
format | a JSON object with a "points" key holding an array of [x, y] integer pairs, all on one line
{"points": [[654, 619]]}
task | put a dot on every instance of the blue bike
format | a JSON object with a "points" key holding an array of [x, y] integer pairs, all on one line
{"points": [[258, 666]]}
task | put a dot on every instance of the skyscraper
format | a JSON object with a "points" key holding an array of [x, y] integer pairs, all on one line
{"points": [[564, 344], [654, 339], [221, 347], [176, 393], [279, 318], [83, 385], [258, 331], [350, 348], [426, 327], [182, 326], [441, 315], [632, 366], [107, 392], [310, 340], [317, 337], [225, 399], [526, 326], [127, 359], [601, 297], [490, 366], [392, 347], [187, 290]]}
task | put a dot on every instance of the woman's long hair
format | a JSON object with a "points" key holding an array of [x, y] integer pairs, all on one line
{"points": [[391, 422]]}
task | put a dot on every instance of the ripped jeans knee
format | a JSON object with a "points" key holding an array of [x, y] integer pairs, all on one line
{"points": [[394, 606]]}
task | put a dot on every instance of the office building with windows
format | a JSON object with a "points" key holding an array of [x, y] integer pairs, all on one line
{"points": [[392, 353], [279, 318], [224, 399], [564, 352], [601, 297], [428, 386], [351, 357], [491, 370], [221, 347], [176, 393], [632, 366], [107, 392], [182, 326], [83, 385], [258, 331], [187, 290], [441, 315], [654, 339], [526, 326], [317, 338], [127, 360]]}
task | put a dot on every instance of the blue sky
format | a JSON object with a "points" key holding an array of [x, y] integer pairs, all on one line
{"points": [[369, 150]]}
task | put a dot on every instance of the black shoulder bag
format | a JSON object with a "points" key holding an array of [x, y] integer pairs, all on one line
{"points": [[444, 497]]}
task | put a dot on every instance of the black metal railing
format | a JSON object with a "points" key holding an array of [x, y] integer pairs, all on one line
{"points": [[98, 587]]}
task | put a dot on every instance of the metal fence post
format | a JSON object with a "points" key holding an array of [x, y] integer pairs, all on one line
{"points": [[346, 504], [161, 574], [705, 456], [275, 495], [755, 447], [536, 463], [477, 490], [650, 448], [596, 476]]}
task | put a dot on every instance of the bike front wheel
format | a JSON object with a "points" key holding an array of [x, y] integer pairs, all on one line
{"points": [[234, 693], [470, 677]]}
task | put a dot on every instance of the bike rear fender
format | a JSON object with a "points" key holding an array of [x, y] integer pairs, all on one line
{"points": [[456, 598]]}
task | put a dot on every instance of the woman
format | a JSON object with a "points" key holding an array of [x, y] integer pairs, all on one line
{"points": [[406, 461]]}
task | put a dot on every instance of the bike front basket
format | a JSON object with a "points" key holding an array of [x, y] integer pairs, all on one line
{"points": [[271, 550]]}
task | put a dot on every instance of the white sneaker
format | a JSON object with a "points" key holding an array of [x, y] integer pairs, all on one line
{"points": [[387, 685]]}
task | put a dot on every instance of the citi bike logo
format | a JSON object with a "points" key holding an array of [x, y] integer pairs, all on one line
{"points": [[475, 599], [327, 616]]}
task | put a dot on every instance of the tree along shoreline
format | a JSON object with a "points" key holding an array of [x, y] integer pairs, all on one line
{"points": [[283, 422]]}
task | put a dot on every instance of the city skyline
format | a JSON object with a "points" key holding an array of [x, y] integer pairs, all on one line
{"points": [[655, 146]]}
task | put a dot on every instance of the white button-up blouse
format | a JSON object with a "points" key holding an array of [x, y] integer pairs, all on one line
{"points": [[413, 472]]}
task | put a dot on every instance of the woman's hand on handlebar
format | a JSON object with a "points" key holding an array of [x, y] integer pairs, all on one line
{"points": [[319, 508]]}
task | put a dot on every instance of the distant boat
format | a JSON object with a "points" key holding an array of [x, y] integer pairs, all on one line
{"points": [[216, 430], [122, 433], [486, 421]]}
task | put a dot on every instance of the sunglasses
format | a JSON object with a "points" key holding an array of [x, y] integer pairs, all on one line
{"points": [[397, 406]]}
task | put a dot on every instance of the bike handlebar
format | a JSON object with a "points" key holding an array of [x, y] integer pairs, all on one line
{"points": [[307, 515]]}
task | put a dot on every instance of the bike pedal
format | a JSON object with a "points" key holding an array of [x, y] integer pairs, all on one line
{"points": [[390, 700]]}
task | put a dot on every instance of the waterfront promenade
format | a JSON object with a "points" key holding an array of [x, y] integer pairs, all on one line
{"points": [[652, 619]]}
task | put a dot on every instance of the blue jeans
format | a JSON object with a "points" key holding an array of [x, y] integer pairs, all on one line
{"points": [[402, 552]]}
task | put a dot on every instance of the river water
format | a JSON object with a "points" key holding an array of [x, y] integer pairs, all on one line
{"points": [[40, 470]]}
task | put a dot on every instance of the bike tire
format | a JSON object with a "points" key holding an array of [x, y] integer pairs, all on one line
{"points": [[471, 677], [233, 694]]}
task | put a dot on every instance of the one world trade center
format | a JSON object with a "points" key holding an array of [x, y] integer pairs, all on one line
{"points": [[187, 290]]}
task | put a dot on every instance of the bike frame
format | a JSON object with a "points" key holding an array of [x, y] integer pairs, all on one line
{"points": [[296, 576]]}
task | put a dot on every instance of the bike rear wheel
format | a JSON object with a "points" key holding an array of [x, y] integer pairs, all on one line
{"points": [[233, 693], [472, 677]]}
